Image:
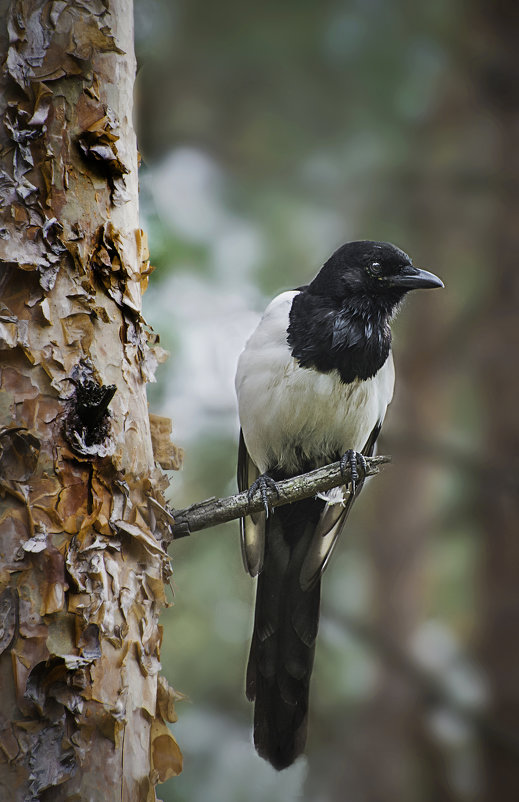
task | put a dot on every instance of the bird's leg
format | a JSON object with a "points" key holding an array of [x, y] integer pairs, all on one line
{"points": [[261, 485], [353, 460]]}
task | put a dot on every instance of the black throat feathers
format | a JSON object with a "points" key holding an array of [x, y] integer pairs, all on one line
{"points": [[351, 336]]}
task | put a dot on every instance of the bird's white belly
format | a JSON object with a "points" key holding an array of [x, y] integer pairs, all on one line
{"points": [[290, 414]]}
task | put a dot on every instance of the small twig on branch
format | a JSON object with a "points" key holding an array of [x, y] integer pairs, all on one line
{"points": [[215, 511]]}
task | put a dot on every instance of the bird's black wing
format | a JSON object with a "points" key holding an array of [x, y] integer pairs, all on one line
{"points": [[330, 526], [252, 527]]}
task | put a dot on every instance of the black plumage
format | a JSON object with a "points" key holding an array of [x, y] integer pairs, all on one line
{"points": [[354, 339], [279, 669]]}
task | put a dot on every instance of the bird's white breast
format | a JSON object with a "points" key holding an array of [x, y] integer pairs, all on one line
{"points": [[289, 413]]}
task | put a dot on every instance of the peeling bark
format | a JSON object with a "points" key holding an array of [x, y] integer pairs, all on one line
{"points": [[82, 562]]}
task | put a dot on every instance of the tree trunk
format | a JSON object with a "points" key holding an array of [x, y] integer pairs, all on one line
{"points": [[82, 564]]}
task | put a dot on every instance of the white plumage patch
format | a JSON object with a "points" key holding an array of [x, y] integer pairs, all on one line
{"points": [[289, 413]]}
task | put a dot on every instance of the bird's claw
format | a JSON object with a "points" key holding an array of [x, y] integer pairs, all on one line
{"points": [[261, 485], [352, 461]]}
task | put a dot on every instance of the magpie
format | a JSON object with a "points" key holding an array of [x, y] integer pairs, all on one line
{"points": [[313, 384]]}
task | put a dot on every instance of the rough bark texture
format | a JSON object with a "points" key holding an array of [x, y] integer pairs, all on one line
{"points": [[82, 566]]}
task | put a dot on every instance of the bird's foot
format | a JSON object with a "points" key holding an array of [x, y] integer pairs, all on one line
{"points": [[351, 461], [261, 485]]}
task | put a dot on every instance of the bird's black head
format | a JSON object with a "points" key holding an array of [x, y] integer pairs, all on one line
{"points": [[340, 321], [374, 269]]}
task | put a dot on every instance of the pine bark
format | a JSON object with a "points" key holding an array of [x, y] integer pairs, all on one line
{"points": [[82, 563]]}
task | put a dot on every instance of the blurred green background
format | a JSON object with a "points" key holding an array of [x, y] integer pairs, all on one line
{"points": [[272, 133]]}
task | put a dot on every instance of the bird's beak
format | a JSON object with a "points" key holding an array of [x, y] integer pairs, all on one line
{"points": [[412, 278]]}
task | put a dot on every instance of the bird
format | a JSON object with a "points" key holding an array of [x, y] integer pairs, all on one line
{"points": [[313, 383]]}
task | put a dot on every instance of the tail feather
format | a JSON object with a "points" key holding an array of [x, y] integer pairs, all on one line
{"points": [[283, 643]]}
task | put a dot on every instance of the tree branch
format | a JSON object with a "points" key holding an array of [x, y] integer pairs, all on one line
{"points": [[215, 511]]}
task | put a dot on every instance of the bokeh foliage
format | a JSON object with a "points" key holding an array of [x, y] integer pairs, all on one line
{"points": [[270, 134]]}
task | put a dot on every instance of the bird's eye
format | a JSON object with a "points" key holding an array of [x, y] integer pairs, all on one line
{"points": [[375, 268]]}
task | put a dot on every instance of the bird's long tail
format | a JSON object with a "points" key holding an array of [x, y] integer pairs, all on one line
{"points": [[283, 641]]}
